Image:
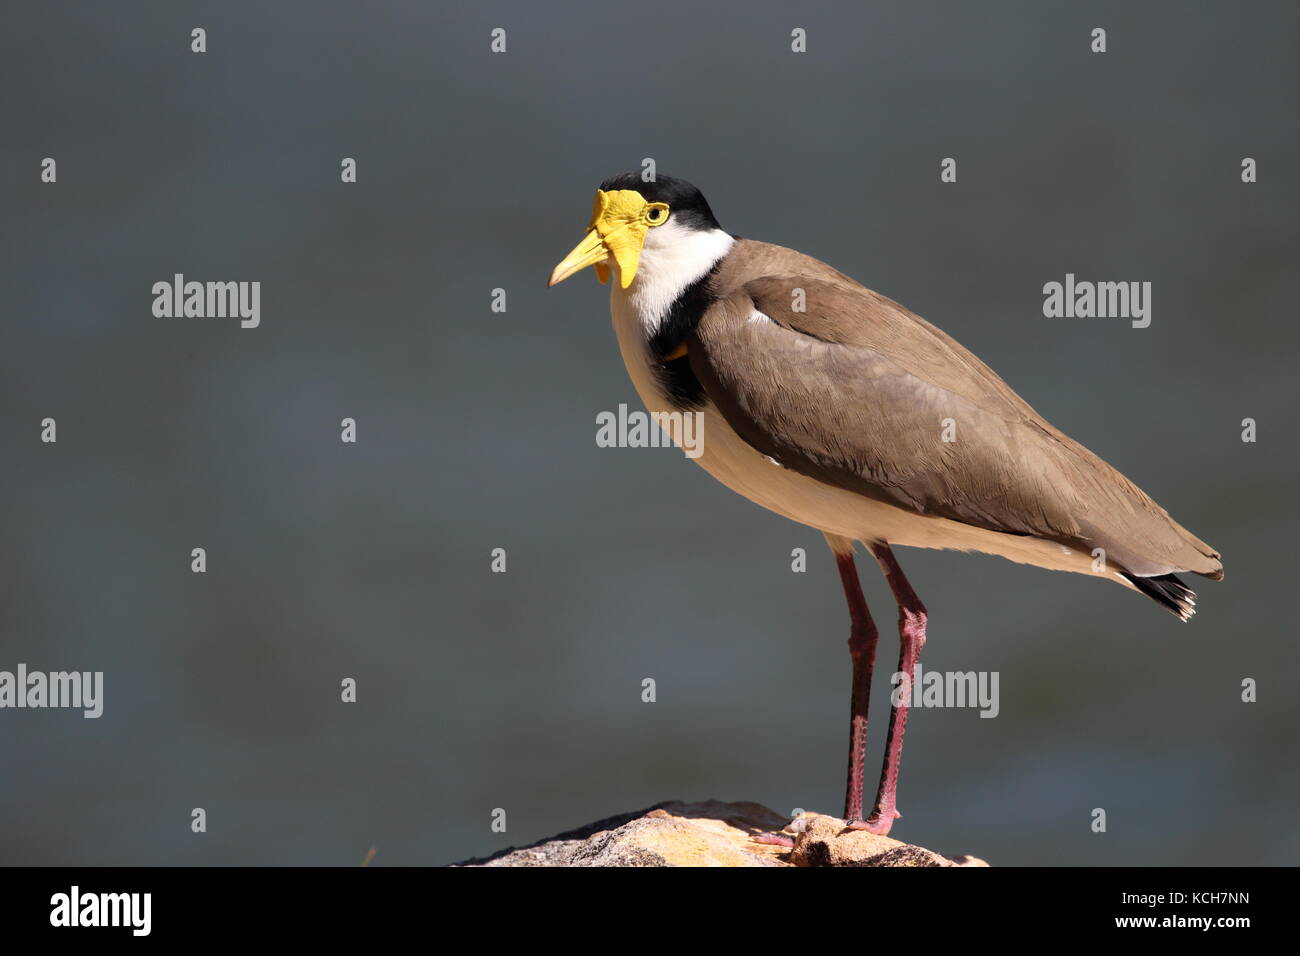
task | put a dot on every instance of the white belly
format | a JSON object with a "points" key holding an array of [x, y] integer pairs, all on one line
{"points": [[739, 466]]}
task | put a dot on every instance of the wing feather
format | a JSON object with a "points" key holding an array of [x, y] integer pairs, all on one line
{"points": [[857, 392]]}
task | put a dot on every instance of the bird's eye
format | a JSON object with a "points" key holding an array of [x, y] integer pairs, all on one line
{"points": [[656, 214]]}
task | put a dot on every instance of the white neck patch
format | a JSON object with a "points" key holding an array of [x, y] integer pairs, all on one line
{"points": [[672, 258]]}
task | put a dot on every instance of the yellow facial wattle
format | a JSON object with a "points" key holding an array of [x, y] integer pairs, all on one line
{"points": [[620, 220]]}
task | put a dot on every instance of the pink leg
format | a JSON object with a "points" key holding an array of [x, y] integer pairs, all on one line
{"points": [[911, 637], [862, 649]]}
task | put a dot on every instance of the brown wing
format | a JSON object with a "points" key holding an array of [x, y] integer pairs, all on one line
{"points": [[859, 393]]}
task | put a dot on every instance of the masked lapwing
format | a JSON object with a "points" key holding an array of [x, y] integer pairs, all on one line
{"points": [[838, 408]]}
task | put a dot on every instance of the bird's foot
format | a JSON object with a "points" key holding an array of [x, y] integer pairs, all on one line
{"points": [[879, 823], [773, 839]]}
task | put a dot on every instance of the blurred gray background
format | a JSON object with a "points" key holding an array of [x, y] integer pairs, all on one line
{"points": [[476, 430]]}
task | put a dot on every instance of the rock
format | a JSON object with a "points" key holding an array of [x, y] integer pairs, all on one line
{"points": [[714, 833]]}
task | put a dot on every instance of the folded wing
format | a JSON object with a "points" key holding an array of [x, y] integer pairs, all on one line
{"points": [[838, 383]]}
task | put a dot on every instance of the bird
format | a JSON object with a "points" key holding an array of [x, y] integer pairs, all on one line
{"points": [[836, 407]]}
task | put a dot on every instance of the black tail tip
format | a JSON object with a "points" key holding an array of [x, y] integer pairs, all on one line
{"points": [[1167, 591]]}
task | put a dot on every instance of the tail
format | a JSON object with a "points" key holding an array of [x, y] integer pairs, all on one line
{"points": [[1167, 591]]}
